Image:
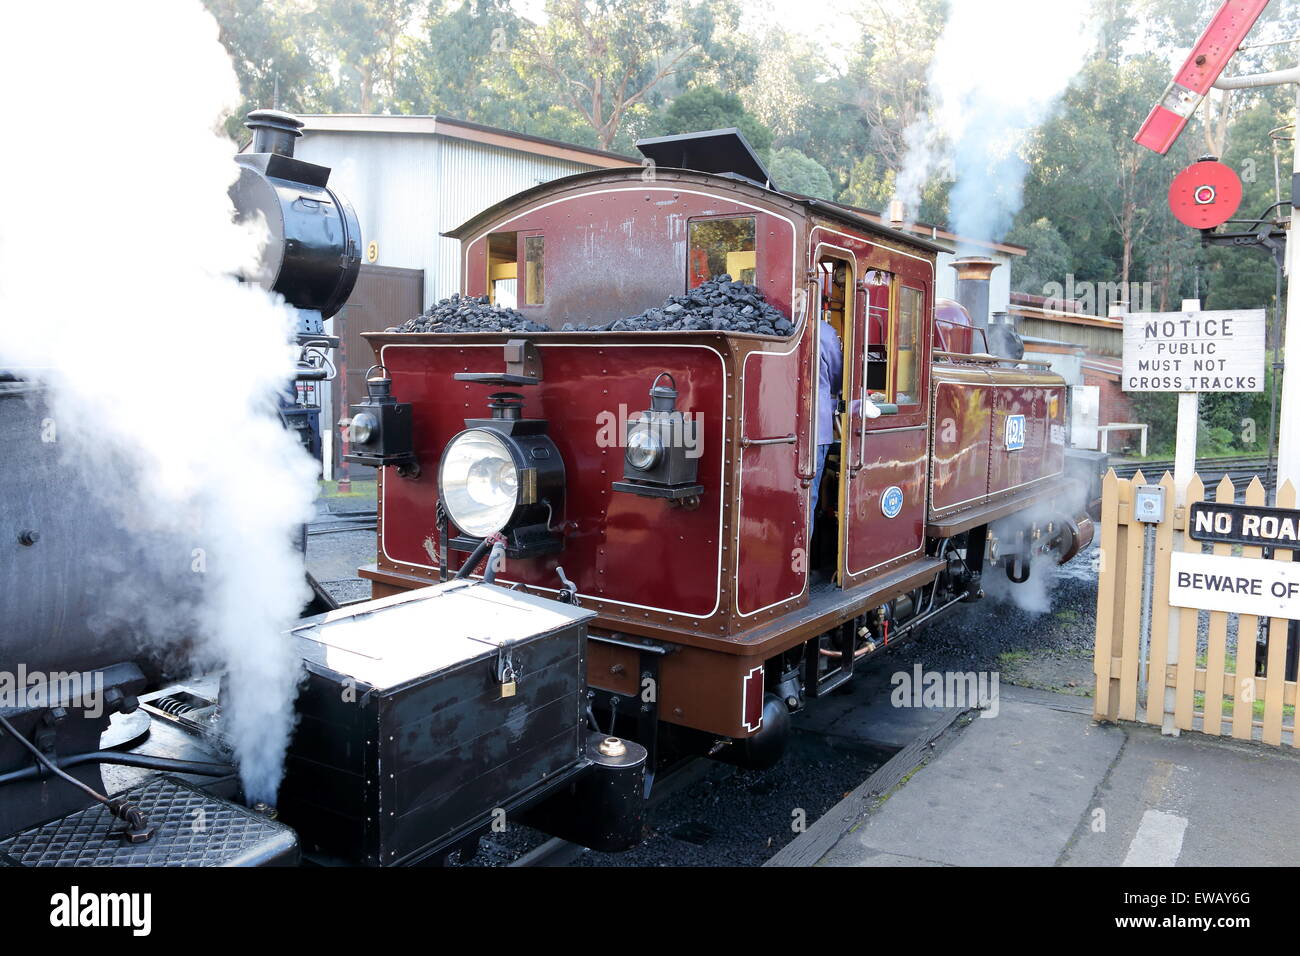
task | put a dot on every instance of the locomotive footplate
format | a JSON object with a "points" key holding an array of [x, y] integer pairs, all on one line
{"points": [[193, 828]]}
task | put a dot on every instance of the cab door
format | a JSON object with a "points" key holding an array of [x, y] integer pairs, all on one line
{"points": [[887, 456]]}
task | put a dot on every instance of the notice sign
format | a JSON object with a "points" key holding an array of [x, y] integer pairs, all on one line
{"points": [[1245, 524], [1243, 585], [1194, 351]]}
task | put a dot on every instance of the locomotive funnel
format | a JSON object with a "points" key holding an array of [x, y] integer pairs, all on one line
{"points": [[973, 274], [313, 253], [273, 131]]}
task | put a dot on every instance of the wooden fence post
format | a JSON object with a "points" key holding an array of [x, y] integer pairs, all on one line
{"points": [[1245, 688], [1106, 692], [1275, 671], [1216, 648], [1131, 603], [1158, 660], [1185, 674]]}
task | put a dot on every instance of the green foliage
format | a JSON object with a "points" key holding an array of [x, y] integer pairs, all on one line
{"points": [[868, 186], [707, 107], [368, 54], [606, 59], [794, 172], [1229, 423], [1159, 410], [1243, 277], [1049, 258], [605, 72], [277, 61], [1104, 194]]}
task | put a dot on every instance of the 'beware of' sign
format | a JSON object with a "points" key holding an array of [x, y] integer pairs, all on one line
{"points": [[1215, 582], [1194, 351]]}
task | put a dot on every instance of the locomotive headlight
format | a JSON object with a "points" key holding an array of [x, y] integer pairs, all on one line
{"points": [[362, 428], [644, 448], [379, 429], [479, 482], [504, 474], [663, 444]]}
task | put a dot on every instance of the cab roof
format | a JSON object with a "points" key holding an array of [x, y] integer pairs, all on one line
{"points": [[735, 181]]}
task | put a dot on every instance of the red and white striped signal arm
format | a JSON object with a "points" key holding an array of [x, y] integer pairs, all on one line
{"points": [[1204, 65]]}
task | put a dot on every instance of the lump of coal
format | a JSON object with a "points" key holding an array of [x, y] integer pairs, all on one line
{"points": [[720, 304], [469, 314]]}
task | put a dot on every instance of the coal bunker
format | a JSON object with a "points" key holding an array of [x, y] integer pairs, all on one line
{"points": [[720, 304]]}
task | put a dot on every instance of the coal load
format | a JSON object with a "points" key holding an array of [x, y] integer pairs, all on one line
{"points": [[469, 314], [719, 305]]}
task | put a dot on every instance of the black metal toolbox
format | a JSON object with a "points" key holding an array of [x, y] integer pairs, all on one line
{"points": [[427, 714]]}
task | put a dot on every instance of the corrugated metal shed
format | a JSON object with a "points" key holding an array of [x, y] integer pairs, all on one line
{"points": [[414, 177], [488, 175]]}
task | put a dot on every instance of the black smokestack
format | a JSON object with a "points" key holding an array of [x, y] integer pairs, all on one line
{"points": [[273, 131]]}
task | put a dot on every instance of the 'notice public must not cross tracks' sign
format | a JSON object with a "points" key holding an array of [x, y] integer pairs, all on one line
{"points": [[1194, 351]]}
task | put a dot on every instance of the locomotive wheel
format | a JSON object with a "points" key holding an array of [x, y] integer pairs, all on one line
{"points": [[766, 747]]}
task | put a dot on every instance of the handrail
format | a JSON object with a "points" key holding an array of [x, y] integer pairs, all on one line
{"points": [[987, 359], [957, 325], [787, 440]]}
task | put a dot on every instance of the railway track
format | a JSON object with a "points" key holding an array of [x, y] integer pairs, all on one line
{"points": [[1211, 470], [340, 521]]}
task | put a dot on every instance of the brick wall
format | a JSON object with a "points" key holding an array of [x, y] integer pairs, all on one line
{"points": [[1114, 406]]}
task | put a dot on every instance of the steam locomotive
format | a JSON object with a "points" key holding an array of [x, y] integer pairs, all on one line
{"points": [[722, 604], [595, 549]]}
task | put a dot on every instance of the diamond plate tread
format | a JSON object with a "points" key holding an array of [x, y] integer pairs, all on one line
{"points": [[194, 828]]}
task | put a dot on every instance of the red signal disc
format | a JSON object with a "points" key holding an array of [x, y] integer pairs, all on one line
{"points": [[1205, 194]]}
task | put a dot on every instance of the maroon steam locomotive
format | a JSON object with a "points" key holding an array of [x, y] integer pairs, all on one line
{"points": [[662, 478]]}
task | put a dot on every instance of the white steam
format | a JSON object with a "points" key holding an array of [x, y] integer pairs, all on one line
{"points": [[1033, 596], [116, 247], [998, 68]]}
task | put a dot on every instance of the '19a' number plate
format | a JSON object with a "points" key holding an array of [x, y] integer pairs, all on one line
{"points": [[1015, 432]]}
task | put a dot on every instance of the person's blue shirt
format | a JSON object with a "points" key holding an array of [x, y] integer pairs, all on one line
{"points": [[829, 382]]}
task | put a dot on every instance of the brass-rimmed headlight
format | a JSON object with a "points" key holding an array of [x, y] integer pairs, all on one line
{"points": [[478, 481]]}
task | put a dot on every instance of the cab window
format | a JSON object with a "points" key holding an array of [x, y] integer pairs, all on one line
{"points": [[878, 286], [534, 278], [907, 346], [503, 268], [719, 246]]}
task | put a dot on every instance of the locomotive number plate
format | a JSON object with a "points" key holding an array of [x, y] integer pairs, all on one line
{"points": [[1015, 432]]}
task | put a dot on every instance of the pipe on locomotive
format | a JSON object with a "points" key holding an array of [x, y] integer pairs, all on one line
{"points": [[974, 282]]}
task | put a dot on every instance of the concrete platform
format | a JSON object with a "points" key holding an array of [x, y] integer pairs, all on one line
{"points": [[1042, 784]]}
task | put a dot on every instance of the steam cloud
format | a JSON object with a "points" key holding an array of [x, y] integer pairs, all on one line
{"points": [[116, 247], [999, 67]]}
